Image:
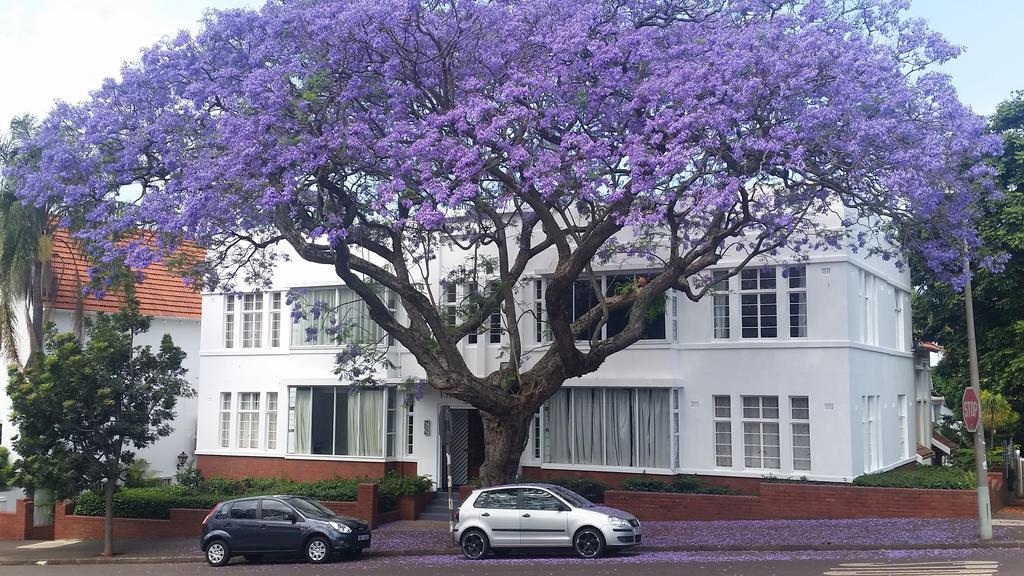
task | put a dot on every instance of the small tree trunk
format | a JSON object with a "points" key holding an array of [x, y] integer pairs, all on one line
{"points": [[108, 520], [505, 439]]}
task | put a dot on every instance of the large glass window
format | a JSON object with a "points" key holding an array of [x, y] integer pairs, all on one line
{"points": [[310, 330], [761, 432], [628, 427], [331, 420], [585, 297], [758, 303], [333, 316]]}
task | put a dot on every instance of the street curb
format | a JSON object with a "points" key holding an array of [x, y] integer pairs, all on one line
{"points": [[999, 544]]}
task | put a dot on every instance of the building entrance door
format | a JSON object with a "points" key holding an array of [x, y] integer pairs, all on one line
{"points": [[462, 442]]}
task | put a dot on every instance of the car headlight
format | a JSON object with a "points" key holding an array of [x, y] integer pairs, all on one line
{"points": [[619, 522], [340, 527]]}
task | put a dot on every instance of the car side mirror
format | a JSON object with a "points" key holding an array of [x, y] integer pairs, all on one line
{"points": [[563, 508], [293, 518]]}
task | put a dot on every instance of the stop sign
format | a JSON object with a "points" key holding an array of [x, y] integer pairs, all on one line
{"points": [[972, 409]]}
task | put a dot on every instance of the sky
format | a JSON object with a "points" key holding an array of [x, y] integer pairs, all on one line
{"points": [[62, 49]]}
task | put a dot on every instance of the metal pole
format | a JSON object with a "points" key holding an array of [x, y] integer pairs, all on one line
{"points": [[980, 464]]}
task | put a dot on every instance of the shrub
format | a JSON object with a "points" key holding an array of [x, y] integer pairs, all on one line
{"points": [[188, 476], [590, 488], [946, 477], [156, 502], [687, 484], [647, 484]]}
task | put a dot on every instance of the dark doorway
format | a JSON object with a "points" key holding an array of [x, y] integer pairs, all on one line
{"points": [[462, 435]]}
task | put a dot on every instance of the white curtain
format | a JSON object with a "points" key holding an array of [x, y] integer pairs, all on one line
{"points": [[559, 428], [589, 437], [354, 318], [303, 412], [327, 298], [366, 423], [655, 438], [619, 418]]}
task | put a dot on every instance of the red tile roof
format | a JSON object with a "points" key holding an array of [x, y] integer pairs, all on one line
{"points": [[161, 293]]}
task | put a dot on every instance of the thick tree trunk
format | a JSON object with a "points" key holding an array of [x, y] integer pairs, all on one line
{"points": [[505, 438], [108, 520]]}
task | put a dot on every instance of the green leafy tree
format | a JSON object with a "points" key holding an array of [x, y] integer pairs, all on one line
{"points": [[85, 409], [998, 307], [996, 414], [6, 470]]}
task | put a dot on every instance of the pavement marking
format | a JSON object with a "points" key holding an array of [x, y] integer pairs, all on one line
{"points": [[957, 568], [1007, 522], [49, 544]]}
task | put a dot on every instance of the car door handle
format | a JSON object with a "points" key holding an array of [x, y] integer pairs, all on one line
{"points": [[486, 514], [228, 525], [526, 515]]}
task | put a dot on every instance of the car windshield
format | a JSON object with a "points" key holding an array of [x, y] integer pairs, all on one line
{"points": [[572, 497], [310, 508]]}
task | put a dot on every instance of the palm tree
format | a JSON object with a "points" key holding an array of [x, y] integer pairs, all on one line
{"points": [[26, 248]]}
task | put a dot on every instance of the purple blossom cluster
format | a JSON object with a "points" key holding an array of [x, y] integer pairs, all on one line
{"points": [[313, 117]]}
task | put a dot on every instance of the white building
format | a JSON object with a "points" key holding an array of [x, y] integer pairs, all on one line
{"points": [[175, 310], [804, 374]]}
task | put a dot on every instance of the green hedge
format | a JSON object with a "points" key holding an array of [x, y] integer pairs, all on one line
{"points": [[589, 488], [681, 484], [156, 502], [946, 477]]}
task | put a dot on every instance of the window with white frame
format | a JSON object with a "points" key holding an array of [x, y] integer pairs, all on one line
{"points": [[901, 320], [870, 411], [252, 320], [229, 321], [391, 425], [332, 420], [451, 304], [627, 427], [869, 308], [758, 303], [332, 317], [542, 332], [225, 419], [275, 320], [271, 442], [675, 428], [410, 426], [248, 419], [720, 303], [392, 302], [585, 297], [536, 433], [723, 431], [673, 298], [901, 425], [761, 446], [800, 416], [797, 301]]}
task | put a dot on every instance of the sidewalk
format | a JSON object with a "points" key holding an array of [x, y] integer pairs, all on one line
{"points": [[425, 538]]}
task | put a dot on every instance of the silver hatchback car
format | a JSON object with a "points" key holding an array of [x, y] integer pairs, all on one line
{"points": [[501, 518]]}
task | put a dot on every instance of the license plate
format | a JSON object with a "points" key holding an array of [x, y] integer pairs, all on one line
{"points": [[364, 537]]}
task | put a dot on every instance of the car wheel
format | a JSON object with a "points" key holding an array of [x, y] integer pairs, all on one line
{"points": [[588, 543], [253, 558], [218, 553], [318, 550], [474, 545]]}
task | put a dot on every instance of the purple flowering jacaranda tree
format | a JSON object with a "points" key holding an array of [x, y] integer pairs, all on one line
{"points": [[368, 134]]}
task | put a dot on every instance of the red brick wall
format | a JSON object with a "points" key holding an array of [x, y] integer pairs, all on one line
{"points": [[17, 525], [409, 507], [800, 501], [189, 522]]}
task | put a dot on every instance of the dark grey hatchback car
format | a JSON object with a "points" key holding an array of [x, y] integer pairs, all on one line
{"points": [[256, 526]]}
